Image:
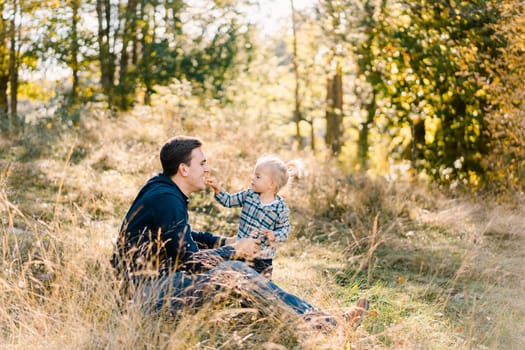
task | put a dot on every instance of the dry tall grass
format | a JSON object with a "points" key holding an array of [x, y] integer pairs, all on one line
{"points": [[440, 273]]}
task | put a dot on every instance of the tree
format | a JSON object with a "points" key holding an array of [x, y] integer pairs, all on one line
{"points": [[354, 31], [505, 163], [297, 114], [334, 111], [438, 54], [306, 44], [128, 39], [334, 27], [14, 56], [4, 63], [106, 54], [212, 57], [128, 36], [372, 21], [68, 43], [20, 35]]}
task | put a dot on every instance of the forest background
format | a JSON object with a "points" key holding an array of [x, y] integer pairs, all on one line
{"points": [[408, 115]]}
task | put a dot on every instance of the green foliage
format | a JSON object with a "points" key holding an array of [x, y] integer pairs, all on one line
{"points": [[434, 82], [506, 162], [433, 66], [423, 69], [453, 60], [209, 67]]}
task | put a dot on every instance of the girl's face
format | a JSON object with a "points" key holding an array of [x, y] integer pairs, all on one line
{"points": [[262, 181]]}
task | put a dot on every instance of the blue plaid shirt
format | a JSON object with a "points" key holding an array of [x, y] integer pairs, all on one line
{"points": [[256, 215]]}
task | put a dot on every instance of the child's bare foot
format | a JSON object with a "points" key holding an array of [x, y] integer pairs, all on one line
{"points": [[357, 313]]}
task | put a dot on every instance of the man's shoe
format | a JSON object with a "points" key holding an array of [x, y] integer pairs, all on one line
{"points": [[320, 320], [357, 313]]}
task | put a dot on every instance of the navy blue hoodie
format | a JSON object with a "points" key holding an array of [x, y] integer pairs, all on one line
{"points": [[156, 238]]}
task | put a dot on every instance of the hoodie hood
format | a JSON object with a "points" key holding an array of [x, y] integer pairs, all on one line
{"points": [[162, 184]]}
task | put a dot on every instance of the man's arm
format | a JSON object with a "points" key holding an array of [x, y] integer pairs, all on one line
{"points": [[182, 244], [206, 240], [205, 259], [193, 251]]}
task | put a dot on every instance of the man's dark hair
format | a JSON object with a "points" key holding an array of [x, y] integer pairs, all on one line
{"points": [[177, 151]]}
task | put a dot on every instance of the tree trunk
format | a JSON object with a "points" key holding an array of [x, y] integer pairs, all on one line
{"points": [[106, 57], [297, 115], [4, 104], [334, 109], [74, 51], [364, 132], [146, 42], [4, 66], [418, 142], [312, 135], [126, 86], [13, 65], [138, 44]]}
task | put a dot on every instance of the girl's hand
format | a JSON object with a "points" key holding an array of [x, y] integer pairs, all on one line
{"points": [[270, 235], [213, 184]]}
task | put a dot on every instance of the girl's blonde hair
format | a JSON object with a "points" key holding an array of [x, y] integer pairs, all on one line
{"points": [[281, 171]]}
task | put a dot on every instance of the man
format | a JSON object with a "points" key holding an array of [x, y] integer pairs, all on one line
{"points": [[170, 266]]}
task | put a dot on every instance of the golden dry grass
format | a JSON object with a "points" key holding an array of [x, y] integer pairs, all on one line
{"points": [[440, 273]]}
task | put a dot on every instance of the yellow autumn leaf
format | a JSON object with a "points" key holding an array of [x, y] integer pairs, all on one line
{"points": [[372, 313]]}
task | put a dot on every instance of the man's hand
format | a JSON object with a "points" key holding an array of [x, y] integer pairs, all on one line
{"points": [[230, 240], [246, 248], [224, 240]]}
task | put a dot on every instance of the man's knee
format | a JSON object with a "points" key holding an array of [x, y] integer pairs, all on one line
{"points": [[236, 266]]}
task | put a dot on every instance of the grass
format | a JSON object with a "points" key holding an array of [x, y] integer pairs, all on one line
{"points": [[440, 272]]}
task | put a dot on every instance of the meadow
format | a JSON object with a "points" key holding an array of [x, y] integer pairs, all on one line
{"points": [[442, 269]]}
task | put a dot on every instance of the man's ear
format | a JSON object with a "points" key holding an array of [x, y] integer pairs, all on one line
{"points": [[183, 169]]}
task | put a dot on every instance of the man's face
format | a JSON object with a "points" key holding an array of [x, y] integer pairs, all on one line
{"points": [[196, 171]]}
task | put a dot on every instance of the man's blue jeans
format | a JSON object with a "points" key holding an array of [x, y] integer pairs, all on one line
{"points": [[180, 290]]}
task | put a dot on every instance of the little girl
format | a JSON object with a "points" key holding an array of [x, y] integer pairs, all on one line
{"points": [[264, 213]]}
